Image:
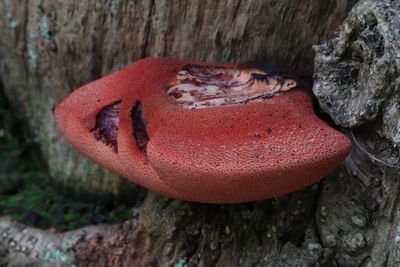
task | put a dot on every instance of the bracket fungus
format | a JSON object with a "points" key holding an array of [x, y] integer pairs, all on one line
{"points": [[204, 132]]}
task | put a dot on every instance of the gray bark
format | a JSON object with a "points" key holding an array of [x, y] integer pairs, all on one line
{"points": [[357, 81], [352, 221]]}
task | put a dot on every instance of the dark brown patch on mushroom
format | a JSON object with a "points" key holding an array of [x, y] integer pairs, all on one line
{"points": [[107, 122], [139, 127], [207, 86]]}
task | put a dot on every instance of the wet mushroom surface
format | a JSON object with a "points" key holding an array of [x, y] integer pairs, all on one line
{"points": [[204, 132]]}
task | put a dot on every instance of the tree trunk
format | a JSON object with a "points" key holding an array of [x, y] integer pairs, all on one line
{"points": [[51, 47]]}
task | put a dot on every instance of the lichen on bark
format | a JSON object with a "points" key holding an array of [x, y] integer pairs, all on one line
{"points": [[357, 68], [357, 83]]}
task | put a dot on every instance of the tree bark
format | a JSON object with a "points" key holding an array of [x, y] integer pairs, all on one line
{"points": [[357, 81], [352, 221]]}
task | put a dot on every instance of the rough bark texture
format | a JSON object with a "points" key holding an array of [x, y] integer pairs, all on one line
{"points": [[352, 221], [164, 232], [357, 82]]}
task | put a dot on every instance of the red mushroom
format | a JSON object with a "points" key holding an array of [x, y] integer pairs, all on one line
{"points": [[205, 132]]}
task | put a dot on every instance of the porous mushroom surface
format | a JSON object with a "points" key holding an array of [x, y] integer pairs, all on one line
{"points": [[205, 132]]}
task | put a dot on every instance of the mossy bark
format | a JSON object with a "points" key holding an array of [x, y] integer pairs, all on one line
{"points": [[50, 48]]}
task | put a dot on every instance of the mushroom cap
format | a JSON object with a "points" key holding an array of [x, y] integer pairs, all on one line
{"points": [[204, 132], [76, 117]]}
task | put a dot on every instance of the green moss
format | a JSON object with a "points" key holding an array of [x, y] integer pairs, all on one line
{"points": [[26, 189]]}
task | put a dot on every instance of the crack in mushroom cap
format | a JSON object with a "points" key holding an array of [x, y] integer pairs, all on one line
{"points": [[107, 122], [199, 86]]}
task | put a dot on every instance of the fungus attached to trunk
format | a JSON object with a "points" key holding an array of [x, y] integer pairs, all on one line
{"points": [[205, 132]]}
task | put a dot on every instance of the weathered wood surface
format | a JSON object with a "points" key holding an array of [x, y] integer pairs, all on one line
{"points": [[352, 221], [357, 81]]}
